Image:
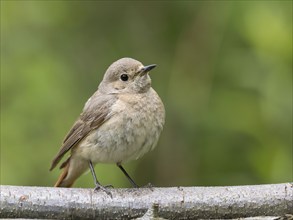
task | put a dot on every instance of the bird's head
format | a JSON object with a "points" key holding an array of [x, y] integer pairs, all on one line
{"points": [[126, 75]]}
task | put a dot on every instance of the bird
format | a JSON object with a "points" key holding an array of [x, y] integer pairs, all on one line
{"points": [[120, 122]]}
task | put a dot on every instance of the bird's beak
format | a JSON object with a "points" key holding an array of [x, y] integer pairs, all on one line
{"points": [[146, 69]]}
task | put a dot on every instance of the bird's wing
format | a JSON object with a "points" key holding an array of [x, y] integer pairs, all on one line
{"points": [[95, 113]]}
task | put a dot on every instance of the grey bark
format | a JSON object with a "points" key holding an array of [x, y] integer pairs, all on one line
{"points": [[146, 203]]}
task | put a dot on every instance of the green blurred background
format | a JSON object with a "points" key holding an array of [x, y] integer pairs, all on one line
{"points": [[224, 73]]}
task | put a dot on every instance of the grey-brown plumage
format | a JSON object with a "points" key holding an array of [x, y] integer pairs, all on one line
{"points": [[121, 121]]}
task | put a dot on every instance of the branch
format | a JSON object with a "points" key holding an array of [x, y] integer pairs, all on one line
{"points": [[169, 203]]}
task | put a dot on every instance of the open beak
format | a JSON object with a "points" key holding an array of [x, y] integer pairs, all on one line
{"points": [[146, 69]]}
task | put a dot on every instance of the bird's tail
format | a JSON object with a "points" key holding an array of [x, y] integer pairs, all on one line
{"points": [[72, 169]]}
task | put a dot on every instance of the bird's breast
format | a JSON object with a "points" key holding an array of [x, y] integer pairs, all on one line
{"points": [[133, 128]]}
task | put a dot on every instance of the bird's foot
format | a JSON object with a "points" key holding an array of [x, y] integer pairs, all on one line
{"points": [[148, 186], [134, 185], [104, 188]]}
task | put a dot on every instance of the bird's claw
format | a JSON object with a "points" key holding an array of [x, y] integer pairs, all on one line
{"points": [[104, 188], [149, 185]]}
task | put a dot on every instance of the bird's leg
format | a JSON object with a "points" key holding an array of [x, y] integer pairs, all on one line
{"points": [[98, 185], [128, 177]]}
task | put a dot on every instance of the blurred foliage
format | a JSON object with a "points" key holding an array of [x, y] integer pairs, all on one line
{"points": [[224, 73]]}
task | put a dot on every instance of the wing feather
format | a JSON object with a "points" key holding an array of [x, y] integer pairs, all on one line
{"points": [[95, 113]]}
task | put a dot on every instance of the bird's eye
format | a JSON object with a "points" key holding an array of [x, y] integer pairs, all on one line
{"points": [[124, 77]]}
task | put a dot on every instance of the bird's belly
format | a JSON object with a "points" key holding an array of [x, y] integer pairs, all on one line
{"points": [[120, 139]]}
